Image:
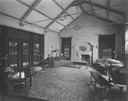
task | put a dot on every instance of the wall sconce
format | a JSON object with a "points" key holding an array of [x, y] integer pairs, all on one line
{"points": [[77, 27], [96, 46]]}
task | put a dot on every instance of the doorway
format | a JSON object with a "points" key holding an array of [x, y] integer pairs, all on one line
{"points": [[66, 47], [107, 46]]}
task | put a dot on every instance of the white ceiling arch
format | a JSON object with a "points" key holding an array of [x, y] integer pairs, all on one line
{"points": [[55, 15]]}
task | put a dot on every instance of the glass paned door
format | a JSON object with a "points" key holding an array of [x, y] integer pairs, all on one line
{"points": [[18, 54], [13, 47], [36, 53], [25, 55]]}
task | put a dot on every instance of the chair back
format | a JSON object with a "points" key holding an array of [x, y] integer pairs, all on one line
{"points": [[117, 77]]}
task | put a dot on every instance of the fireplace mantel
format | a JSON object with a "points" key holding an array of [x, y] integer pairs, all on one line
{"points": [[84, 52]]}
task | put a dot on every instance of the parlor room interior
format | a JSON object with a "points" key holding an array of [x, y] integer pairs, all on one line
{"points": [[63, 50]]}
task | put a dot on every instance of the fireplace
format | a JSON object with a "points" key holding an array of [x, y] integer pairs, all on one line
{"points": [[84, 52], [85, 58]]}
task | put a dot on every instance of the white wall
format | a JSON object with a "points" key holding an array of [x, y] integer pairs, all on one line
{"points": [[90, 29], [51, 38], [51, 43]]}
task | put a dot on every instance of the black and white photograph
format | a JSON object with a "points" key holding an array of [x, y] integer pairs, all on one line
{"points": [[63, 50]]}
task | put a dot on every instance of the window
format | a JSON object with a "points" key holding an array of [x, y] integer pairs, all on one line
{"points": [[25, 55], [36, 53], [18, 53], [24, 48], [13, 46], [126, 41]]}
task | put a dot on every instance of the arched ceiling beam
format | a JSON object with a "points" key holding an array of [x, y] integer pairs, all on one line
{"points": [[70, 23], [101, 7], [70, 5], [25, 4], [25, 21], [9, 16], [108, 6], [101, 18], [92, 7], [31, 8], [62, 8]]}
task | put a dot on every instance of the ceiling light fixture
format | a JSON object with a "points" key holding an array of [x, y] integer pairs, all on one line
{"points": [[64, 15]]}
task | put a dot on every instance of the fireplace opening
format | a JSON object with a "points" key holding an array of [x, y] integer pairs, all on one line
{"points": [[85, 58]]}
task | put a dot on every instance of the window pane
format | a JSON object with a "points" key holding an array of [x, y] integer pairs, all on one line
{"points": [[25, 55], [13, 54], [126, 41], [36, 52]]}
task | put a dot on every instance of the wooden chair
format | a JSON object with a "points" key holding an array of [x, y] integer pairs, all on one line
{"points": [[49, 61], [100, 84], [117, 78], [17, 82]]}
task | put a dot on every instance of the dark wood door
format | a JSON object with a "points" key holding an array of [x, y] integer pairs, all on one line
{"points": [[106, 46], [66, 47]]}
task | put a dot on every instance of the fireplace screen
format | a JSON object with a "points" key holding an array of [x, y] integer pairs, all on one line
{"points": [[85, 58]]}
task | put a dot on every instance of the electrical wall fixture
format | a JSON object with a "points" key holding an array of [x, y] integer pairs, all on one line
{"points": [[77, 27]]}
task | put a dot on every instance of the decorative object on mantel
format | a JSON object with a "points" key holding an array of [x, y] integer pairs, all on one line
{"points": [[83, 48], [84, 52]]}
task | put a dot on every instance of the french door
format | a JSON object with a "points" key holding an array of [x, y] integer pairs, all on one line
{"points": [[18, 53]]}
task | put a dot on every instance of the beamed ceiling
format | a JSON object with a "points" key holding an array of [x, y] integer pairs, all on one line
{"points": [[55, 15]]}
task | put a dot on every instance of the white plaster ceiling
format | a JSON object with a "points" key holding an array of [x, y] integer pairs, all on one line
{"points": [[30, 2], [57, 14], [12, 8]]}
